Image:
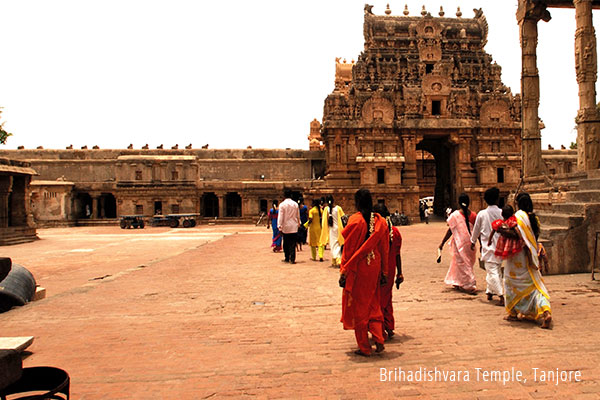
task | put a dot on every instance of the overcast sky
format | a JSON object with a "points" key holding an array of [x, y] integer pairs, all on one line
{"points": [[230, 73]]}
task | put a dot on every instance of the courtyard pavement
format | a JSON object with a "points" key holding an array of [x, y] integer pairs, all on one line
{"points": [[211, 312]]}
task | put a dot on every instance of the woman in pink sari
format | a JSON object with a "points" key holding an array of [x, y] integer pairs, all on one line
{"points": [[460, 223]]}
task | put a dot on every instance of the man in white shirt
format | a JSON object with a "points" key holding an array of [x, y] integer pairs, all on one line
{"points": [[483, 229], [288, 222]]}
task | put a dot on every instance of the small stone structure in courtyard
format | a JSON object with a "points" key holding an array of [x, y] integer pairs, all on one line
{"points": [[16, 222]]}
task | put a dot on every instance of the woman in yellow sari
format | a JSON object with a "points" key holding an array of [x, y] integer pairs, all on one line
{"points": [[526, 296], [314, 230]]}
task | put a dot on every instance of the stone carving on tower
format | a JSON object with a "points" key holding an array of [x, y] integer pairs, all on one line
{"points": [[421, 84], [314, 138]]}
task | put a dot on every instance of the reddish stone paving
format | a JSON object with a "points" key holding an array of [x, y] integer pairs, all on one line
{"points": [[190, 314]]}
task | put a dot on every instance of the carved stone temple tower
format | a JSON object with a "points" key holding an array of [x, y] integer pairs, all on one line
{"points": [[423, 112]]}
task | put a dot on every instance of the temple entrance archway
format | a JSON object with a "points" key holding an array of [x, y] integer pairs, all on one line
{"points": [[445, 187]]}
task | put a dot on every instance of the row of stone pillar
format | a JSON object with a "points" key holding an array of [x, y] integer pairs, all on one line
{"points": [[13, 200], [529, 12]]}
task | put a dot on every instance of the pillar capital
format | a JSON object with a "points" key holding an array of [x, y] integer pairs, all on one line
{"points": [[533, 11]]}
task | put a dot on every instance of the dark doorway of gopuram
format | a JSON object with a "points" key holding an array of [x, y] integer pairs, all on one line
{"points": [[443, 152]]}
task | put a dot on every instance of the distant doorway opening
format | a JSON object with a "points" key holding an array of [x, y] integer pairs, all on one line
{"points": [[109, 206], [233, 205], [158, 209], [210, 205], [84, 206], [445, 188]]}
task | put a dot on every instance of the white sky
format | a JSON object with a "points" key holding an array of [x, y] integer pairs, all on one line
{"points": [[228, 73]]}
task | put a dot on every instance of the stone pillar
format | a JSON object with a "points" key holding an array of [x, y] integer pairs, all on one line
{"points": [[528, 15], [18, 212], [96, 207], [586, 69], [221, 197], [5, 189], [409, 143], [101, 204]]}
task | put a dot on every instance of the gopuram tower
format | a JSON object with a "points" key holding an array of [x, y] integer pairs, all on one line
{"points": [[422, 113]]}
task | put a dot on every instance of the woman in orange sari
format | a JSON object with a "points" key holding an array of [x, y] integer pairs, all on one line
{"points": [[363, 270]]}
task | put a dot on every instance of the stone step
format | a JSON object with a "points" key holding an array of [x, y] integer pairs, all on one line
{"points": [[583, 196], [570, 208], [549, 231], [97, 222], [559, 219], [17, 240], [589, 184], [593, 174]]}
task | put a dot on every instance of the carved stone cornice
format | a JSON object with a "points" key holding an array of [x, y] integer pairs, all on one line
{"points": [[532, 10]]}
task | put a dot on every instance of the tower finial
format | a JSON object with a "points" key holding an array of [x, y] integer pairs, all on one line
{"points": [[423, 11], [458, 12], [387, 10], [442, 13], [406, 12]]}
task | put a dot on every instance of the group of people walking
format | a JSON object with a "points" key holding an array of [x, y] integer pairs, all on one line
{"points": [[366, 248], [510, 254], [321, 226]]}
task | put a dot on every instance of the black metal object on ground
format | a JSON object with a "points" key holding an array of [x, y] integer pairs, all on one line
{"points": [[11, 367], [17, 289], [48, 382]]}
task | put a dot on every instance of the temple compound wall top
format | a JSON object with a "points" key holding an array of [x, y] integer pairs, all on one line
{"points": [[422, 83]]}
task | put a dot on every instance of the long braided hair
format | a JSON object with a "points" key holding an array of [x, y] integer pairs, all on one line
{"points": [[329, 203], [463, 203], [524, 203], [382, 210]]}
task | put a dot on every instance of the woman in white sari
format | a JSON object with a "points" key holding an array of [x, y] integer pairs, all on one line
{"points": [[526, 296], [331, 230]]}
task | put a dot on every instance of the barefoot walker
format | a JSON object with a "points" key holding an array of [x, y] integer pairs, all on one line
{"points": [[460, 223], [526, 294], [363, 269]]}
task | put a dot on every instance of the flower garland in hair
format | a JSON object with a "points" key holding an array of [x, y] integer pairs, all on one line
{"points": [[390, 226], [371, 254]]}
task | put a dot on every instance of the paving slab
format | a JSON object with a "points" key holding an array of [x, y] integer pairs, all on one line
{"points": [[15, 343]]}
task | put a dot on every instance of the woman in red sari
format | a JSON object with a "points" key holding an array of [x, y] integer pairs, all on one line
{"points": [[363, 269], [394, 264]]}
